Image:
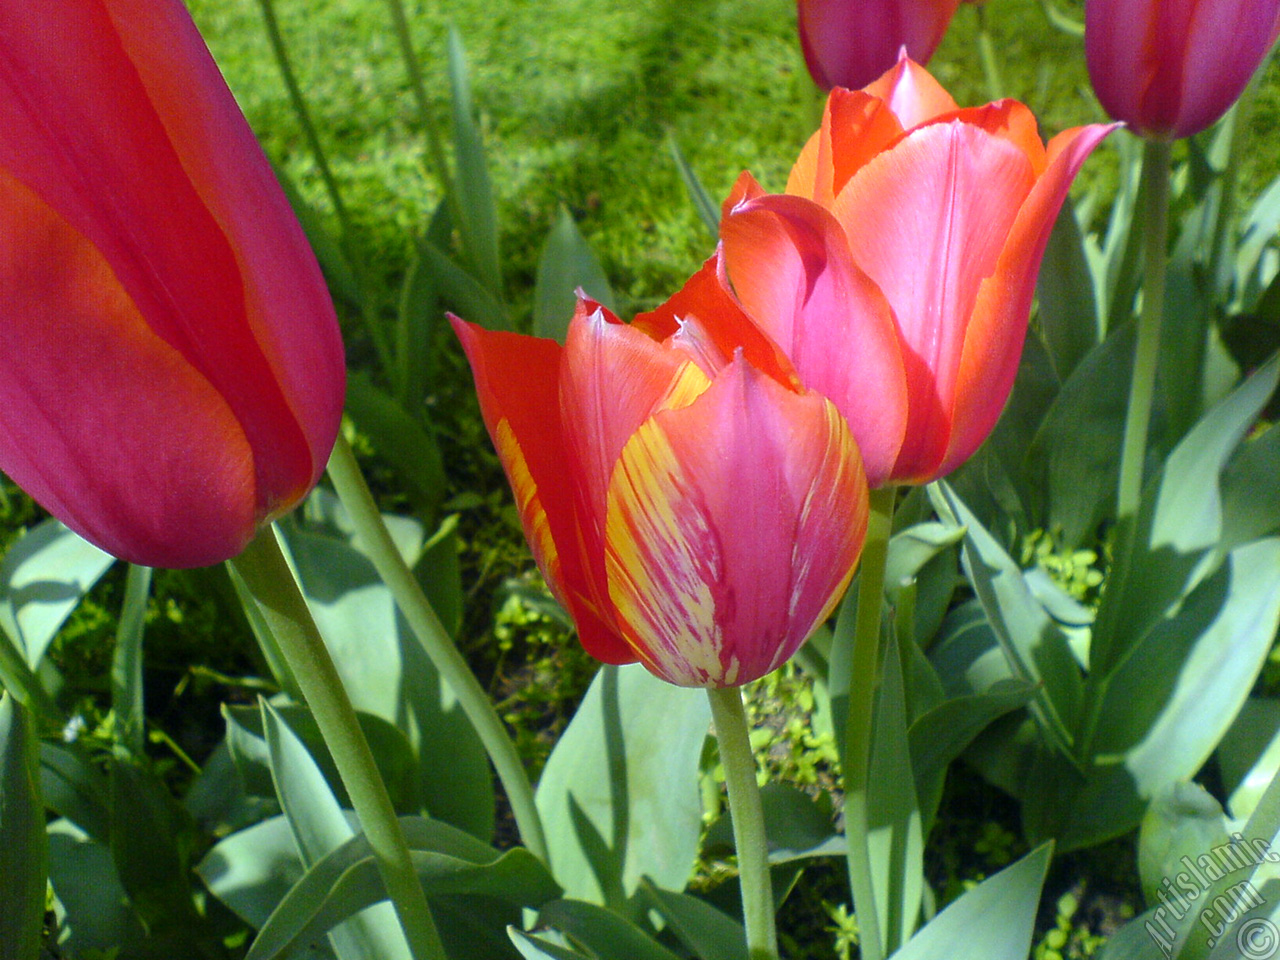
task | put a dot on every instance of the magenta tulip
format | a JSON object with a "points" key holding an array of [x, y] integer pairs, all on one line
{"points": [[688, 502], [848, 43], [1170, 68], [172, 370], [897, 272]]}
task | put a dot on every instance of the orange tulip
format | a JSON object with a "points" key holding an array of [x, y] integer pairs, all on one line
{"points": [[172, 371], [688, 502], [1170, 68], [897, 272], [848, 43]]}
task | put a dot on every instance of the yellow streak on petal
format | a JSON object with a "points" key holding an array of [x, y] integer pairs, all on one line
{"points": [[661, 559], [688, 385], [532, 515]]}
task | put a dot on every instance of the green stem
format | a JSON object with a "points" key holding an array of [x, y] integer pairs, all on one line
{"points": [[862, 692], [1156, 158], [303, 113], [126, 663], [354, 493], [266, 573], [987, 50], [748, 821]]}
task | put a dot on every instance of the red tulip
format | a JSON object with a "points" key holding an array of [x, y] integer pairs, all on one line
{"points": [[172, 371], [848, 43], [898, 271], [1170, 68], [687, 501]]}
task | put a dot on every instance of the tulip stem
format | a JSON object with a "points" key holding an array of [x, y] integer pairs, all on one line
{"points": [[265, 572], [126, 664], [747, 812], [354, 493], [857, 736], [1156, 159]]}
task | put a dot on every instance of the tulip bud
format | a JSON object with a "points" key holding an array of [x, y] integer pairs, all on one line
{"points": [[848, 43], [171, 370], [689, 503], [1170, 68]]}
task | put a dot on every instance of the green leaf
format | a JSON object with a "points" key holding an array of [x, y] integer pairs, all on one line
{"points": [[895, 831], [606, 934], [1183, 820], [75, 789], [1249, 754], [536, 948], [475, 193], [449, 864], [1248, 511], [418, 320], [708, 211], [23, 845], [84, 878], [993, 921], [460, 290], [567, 264], [401, 440], [253, 869], [1068, 316], [1036, 649], [708, 933], [319, 825], [341, 279], [1075, 455], [43, 578], [388, 674], [618, 796], [797, 826]]}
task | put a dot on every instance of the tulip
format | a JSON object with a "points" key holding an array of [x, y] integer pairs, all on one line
{"points": [[848, 43], [897, 272], [172, 366], [688, 502], [1170, 68]]}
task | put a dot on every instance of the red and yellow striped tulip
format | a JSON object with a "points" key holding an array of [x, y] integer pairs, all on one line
{"points": [[172, 371], [897, 271], [688, 502]]}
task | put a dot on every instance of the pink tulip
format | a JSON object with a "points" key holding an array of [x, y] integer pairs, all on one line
{"points": [[687, 501], [172, 371], [848, 43], [897, 272], [1170, 68]]}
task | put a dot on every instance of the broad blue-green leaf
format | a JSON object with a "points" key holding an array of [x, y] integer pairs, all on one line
{"points": [[1173, 698], [895, 830], [567, 264], [993, 921], [23, 845], [84, 878], [252, 869], [1248, 509], [247, 743], [1068, 315], [1188, 513], [475, 195], [1259, 230], [914, 547], [1075, 455], [401, 440], [75, 789], [1249, 754], [607, 934], [708, 211], [538, 948], [1184, 820], [455, 869], [708, 933], [43, 578], [1033, 643], [388, 674], [318, 826], [619, 797], [797, 826]]}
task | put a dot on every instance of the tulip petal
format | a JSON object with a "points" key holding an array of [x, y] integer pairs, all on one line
{"points": [[517, 381], [855, 127], [997, 327], [706, 299], [847, 44], [1011, 121], [128, 185], [927, 221], [912, 93], [104, 423], [790, 265], [733, 527]]}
